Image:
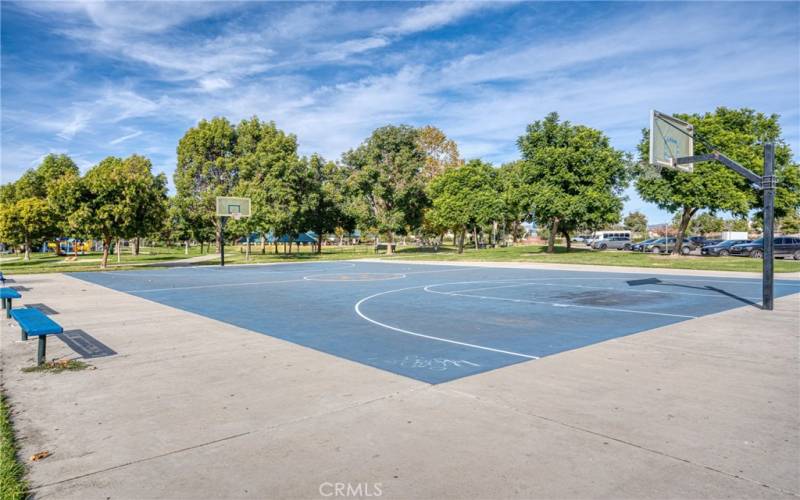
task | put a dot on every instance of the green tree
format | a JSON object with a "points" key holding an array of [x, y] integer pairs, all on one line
{"points": [[115, 199], [325, 198], [739, 134], [147, 198], [207, 168], [636, 222], [37, 183], [441, 153], [385, 177], [465, 198], [707, 223], [516, 195], [740, 224], [790, 223], [34, 183], [26, 221], [576, 177]]}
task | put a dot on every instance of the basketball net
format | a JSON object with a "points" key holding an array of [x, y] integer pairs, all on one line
{"points": [[236, 215], [651, 171]]}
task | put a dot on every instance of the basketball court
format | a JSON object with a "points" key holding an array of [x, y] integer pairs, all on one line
{"points": [[286, 379], [436, 323]]}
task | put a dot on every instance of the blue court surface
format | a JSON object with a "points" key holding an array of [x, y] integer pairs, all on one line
{"points": [[436, 323]]}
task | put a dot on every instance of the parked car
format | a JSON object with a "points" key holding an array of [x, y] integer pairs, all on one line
{"points": [[618, 242], [640, 246], [709, 243], [787, 247], [721, 249], [694, 242], [665, 245]]}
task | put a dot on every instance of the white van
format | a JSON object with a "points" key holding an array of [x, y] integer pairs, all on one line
{"points": [[604, 235]]}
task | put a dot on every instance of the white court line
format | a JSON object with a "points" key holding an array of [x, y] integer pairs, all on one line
{"points": [[443, 270], [623, 290], [430, 337], [553, 304], [220, 285], [336, 278], [557, 304]]}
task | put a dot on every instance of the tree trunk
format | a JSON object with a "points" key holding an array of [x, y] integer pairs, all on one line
{"points": [[319, 241], [514, 227], [106, 249], [263, 244], [58, 248], [494, 233], [186, 247], [27, 249], [119, 251], [566, 235], [136, 246], [686, 217], [247, 254], [276, 246], [551, 240], [389, 244], [218, 236], [460, 237], [475, 235]]}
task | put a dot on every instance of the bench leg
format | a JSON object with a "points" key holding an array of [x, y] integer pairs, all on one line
{"points": [[7, 307], [40, 351], [23, 335], [4, 303]]}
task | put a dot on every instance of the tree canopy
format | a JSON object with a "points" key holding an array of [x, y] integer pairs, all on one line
{"points": [[386, 182], [117, 198], [576, 177], [636, 222], [465, 198], [739, 134]]}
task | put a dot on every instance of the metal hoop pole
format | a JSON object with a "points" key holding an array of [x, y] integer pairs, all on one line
{"points": [[768, 187]]}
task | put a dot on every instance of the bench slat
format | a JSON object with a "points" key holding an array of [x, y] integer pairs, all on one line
{"points": [[9, 293], [34, 322]]}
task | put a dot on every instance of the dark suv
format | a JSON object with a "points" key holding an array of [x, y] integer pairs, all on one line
{"points": [[787, 247], [721, 249]]}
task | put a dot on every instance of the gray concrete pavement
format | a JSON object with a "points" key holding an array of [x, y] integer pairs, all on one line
{"points": [[194, 408]]}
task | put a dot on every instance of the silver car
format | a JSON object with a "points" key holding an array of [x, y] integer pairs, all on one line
{"points": [[618, 242]]}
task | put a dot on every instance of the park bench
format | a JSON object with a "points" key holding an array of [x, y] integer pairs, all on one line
{"points": [[35, 323], [7, 294], [382, 246]]}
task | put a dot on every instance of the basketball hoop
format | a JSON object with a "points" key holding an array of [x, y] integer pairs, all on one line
{"points": [[651, 171], [236, 215]]}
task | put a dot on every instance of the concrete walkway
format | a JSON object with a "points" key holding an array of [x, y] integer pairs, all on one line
{"points": [[194, 408]]}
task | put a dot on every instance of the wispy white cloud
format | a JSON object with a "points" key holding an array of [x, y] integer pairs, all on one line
{"points": [[436, 15], [126, 137], [331, 73]]}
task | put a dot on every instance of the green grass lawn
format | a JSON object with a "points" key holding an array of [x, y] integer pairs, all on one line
{"points": [[12, 483], [585, 256], [237, 255], [153, 256], [51, 263]]}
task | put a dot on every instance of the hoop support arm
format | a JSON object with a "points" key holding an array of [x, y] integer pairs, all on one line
{"points": [[716, 156]]}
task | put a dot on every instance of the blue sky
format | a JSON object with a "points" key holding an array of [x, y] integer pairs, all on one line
{"points": [[93, 79]]}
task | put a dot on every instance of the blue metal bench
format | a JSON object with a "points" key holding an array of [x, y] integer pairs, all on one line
{"points": [[2, 278], [35, 323], [6, 294]]}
